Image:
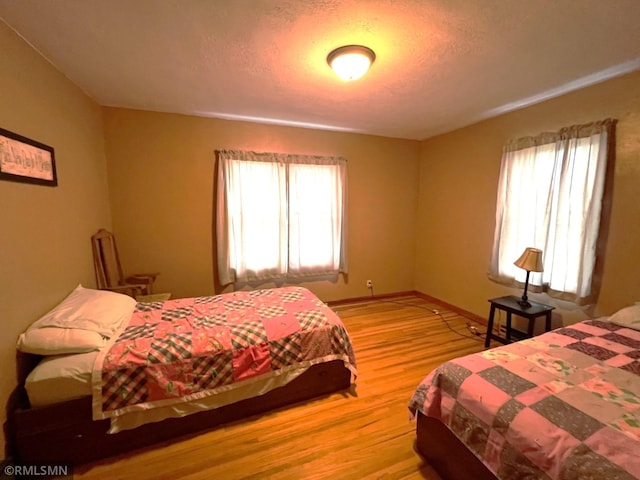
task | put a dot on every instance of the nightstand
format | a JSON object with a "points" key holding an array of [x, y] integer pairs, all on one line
{"points": [[510, 305]]}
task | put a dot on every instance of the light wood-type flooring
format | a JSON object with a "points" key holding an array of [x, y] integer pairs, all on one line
{"points": [[363, 434]]}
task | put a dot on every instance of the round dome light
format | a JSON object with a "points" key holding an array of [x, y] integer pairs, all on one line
{"points": [[351, 61]]}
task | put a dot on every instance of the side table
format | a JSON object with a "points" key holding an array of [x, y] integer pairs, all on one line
{"points": [[510, 305]]}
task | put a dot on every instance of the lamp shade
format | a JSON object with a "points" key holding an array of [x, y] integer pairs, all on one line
{"points": [[530, 260], [351, 61]]}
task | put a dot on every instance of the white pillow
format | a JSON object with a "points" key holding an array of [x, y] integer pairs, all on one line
{"points": [[627, 317], [99, 311], [58, 341]]}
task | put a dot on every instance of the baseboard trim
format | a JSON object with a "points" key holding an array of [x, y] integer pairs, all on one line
{"points": [[460, 311], [345, 301]]}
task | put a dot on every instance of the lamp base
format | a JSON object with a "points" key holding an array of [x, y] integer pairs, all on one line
{"points": [[524, 303]]}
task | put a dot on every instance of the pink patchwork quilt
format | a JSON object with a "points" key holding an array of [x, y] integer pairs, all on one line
{"points": [[562, 405], [191, 348]]}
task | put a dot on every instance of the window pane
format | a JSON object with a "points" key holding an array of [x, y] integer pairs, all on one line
{"points": [[257, 218], [315, 199]]}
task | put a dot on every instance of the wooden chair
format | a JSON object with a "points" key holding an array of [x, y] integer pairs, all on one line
{"points": [[109, 276]]}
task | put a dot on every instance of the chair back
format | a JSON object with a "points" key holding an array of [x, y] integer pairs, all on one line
{"points": [[106, 261]]}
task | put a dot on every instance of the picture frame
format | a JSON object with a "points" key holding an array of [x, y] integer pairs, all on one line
{"points": [[25, 160]]}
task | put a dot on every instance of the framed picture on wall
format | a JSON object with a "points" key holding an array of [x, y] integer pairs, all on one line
{"points": [[25, 160]]}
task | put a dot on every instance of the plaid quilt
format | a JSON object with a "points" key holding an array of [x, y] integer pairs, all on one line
{"points": [[191, 348], [562, 405]]}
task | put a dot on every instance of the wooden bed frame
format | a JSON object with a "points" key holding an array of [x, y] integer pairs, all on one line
{"points": [[65, 432], [446, 453]]}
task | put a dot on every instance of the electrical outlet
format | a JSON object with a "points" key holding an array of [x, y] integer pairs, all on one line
{"points": [[369, 284]]}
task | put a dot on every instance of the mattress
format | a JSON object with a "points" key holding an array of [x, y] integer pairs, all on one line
{"points": [[60, 378]]}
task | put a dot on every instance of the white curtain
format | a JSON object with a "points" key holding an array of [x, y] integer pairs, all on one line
{"points": [[279, 216], [550, 197]]}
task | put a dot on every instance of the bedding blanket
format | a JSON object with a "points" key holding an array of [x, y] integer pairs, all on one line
{"points": [[189, 349], [562, 405]]}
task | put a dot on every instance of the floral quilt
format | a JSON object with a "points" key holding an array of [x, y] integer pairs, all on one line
{"points": [[562, 405], [187, 349]]}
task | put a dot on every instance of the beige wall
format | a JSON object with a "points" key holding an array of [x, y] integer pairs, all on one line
{"points": [[161, 172], [458, 182], [45, 248]]}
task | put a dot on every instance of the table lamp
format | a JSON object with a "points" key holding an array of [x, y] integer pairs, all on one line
{"points": [[531, 261]]}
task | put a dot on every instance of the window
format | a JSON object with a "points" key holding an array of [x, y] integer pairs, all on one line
{"points": [[280, 216], [549, 197]]}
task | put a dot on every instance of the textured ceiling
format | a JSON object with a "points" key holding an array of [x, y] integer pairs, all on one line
{"points": [[440, 64]]}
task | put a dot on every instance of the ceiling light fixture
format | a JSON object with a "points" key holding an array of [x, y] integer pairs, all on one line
{"points": [[351, 61]]}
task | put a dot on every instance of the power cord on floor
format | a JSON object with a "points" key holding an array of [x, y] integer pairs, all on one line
{"points": [[475, 333]]}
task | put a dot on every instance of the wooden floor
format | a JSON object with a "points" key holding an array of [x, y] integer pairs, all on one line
{"points": [[363, 434]]}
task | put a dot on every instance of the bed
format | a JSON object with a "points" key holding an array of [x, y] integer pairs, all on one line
{"points": [[561, 405], [101, 374]]}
